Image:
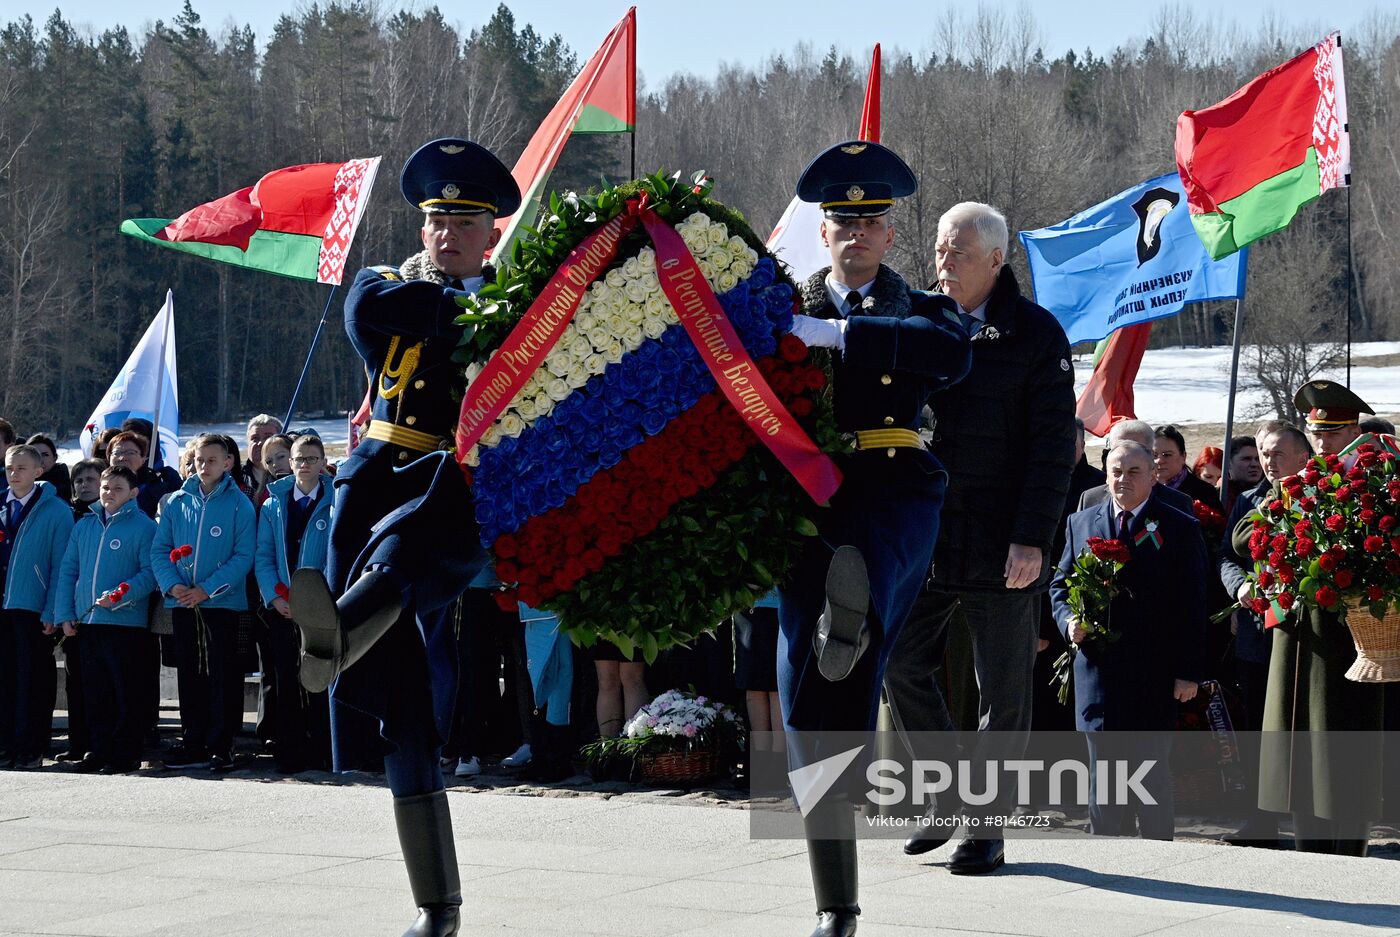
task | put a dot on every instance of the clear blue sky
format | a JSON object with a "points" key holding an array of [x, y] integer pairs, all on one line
{"points": [[696, 35]]}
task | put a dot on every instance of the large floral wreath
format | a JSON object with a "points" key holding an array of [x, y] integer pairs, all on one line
{"points": [[620, 487]]}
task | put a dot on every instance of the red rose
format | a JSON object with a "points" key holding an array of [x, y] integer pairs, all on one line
{"points": [[1306, 504], [1327, 561], [1326, 596], [593, 560], [1260, 606], [1324, 484], [1266, 579], [1392, 566], [1276, 506], [1286, 575], [280, 589], [1357, 474], [1373, 544], [1311, 475], [506, 571], [1279, 542], [1374, 593], [1302, 528], [1387, 523], [1367, 518], [801, 407], [574, 545], [506, 602], [1335, 523], [1368, 500], [791, 348], [561, 582], [1304, 547], [1344, 578], [1293, 485], [574, 569], [1285, 600], [1344, 493], [175, 555]]}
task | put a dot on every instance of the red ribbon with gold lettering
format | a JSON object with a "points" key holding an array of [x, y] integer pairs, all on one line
{"points": [[525, 349]]}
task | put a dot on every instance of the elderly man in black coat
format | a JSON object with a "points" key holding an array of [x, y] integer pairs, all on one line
{"points": [[1125, 691], [1006, 436]]}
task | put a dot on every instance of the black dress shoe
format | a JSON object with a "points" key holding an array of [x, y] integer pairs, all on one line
{"points": [[927, 839], [182, 756], [977, 857], [836, 923], [436, 921], [221, 762], [842, 634], [28, 762], [71, 755], [90, 765]]}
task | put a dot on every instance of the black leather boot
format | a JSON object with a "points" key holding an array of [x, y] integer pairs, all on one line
{"points": [[425, 836], [842, 634], [336, 634], [835, 877]]}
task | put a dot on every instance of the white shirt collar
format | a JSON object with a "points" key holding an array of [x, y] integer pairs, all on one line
{"points": [[10, 496], [979, 313], [1133, 514], [838, 292], [298, 494], [472, 284]]}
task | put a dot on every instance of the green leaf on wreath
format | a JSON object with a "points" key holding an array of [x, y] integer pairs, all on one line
{"points": [[805, 527], [1315, 569], [690, 524], [742, 550]]}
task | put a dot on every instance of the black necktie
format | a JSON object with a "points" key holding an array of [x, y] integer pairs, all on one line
{"points": [[853, 301], [1125, 523]]}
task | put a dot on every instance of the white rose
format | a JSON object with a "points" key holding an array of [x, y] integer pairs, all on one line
{"points": [[636, 314], [598, 335], [752, 256], [559, 388], [737, 246], [659, 307], [698, 220], [473, 457], [631, 268], [580, 348], [512, 424], [474, 369], [707, 270], [558, 363], [616, 324], [595, 363], [741, 268], [636, 292], [582, 319], [615, 279], [599, 292], [718, 234], [578, 376], [544, 404], [719, 258], [633, 337], [527, 410], [726, 281], [650, 282], [614, 351], [647, 260], [695, 241], [491, 436], [654, 328]]}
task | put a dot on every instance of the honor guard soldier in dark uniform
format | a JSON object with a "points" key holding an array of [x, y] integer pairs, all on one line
{"points": [[855, 583], [404, 543], [1333, 414]]}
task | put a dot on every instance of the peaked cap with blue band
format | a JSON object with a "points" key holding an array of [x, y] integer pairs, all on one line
{"points": [[452, 176], [856, 179]]}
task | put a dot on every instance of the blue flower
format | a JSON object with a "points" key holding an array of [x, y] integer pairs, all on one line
{"points": [[609, 455], [762, 276], [653, 422], [593, 410]]}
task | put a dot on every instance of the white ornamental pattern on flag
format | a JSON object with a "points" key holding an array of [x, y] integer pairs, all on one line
{"points": [[353, 183]]}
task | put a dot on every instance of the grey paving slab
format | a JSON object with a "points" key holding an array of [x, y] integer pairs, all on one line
{"points": [[173, 856]]}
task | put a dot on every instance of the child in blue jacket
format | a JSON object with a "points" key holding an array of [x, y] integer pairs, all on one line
{"points": [[35, 523], [107, 571], [294, 531], [201, 557]]}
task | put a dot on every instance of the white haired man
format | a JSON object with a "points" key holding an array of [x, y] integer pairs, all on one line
{"points": [[1006, 437]]}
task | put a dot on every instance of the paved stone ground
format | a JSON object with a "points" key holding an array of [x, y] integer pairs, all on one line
{"points": [[162, 854]]}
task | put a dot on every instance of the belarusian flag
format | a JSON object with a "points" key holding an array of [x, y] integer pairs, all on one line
{"points": [[296, 222], [1249, 162], [602, 99]]}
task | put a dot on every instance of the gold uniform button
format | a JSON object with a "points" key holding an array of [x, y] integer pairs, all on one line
{"points": [[411, 420], [890, 452], [403, 456], [886, 379], [889, 421], [419, 384]]}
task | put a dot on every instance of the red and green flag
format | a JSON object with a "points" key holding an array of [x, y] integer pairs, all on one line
{"points": [[1250, 162], [296, 222], [1108, 397], [602, 99]]}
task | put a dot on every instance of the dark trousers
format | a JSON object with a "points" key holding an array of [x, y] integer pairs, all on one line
{"points": [[301, 724], [26, 656], [211, 691], [1330, 837], [75, 689], [483, 719], [1003, 628], [113, 667], [1155, 821]]}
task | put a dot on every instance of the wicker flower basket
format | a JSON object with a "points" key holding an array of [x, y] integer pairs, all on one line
{"points": [[1377, 645], [679, 767]]}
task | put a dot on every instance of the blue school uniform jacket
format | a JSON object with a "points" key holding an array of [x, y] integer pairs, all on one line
{"points": [[221, 529], [102, 553], [36, 552], [272, 565]]}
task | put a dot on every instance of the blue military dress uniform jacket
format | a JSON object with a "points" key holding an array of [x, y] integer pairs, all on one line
{"points": [[900, 346], [404, 508], [1160, 616]]}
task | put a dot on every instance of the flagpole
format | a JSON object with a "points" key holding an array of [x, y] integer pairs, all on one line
{"points": [[310, 353], [1230, 412], [633, 135], [157, 457], [1349, 286]]}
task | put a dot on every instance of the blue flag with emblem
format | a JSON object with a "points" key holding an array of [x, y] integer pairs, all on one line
{"points": [[1133, 258], [147, 388]]}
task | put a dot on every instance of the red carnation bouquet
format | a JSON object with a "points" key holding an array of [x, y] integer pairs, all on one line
{"points": [[1212, 522], [1093, 585], [1331, 540]]}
